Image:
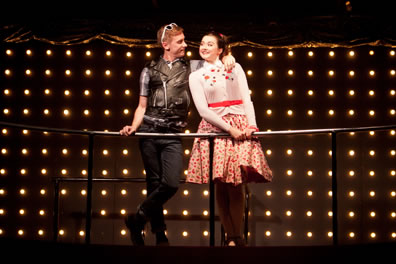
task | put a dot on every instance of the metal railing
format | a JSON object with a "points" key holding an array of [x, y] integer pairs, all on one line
{"points": [[211, 136]]}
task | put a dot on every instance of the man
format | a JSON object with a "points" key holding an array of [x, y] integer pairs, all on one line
{"points": [[163, 108]]}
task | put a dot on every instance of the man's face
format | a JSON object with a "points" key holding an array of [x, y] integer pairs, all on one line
{"points": [[176, 46]]}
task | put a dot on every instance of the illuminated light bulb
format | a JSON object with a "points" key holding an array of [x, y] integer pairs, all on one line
{"points": [[309, 173], [290, 53], [43, 171], [371, 93], [392, 92], [392, 112], [43, 191], [127, 92], [268, 213], [68, 73], [371, 112], [351, 234], [310, 152], [63, 192], [289, 152], [103, 192], [372, 153], [351, 153], [289, 233], [148, 54], [7, 72], [205, 213], [185, 192], [48, 72], [68, 52], [289, 172], [186, 151], [205, 192], [269, 112], [290, 72], [186, 131], [189, 53], [105, 152], [23, 172], [392, 72], [351, 214], [331, 112], [108, 53], [24, 151], [128, 73], [310, 73], [185, 212], [392, 132], [372, 73], [185, 233], [372, 133], [81, 233], [28, 72], [250, 54], [83, 192], [269, 92], [392, 152], [46, 112], [309, 193], [25, 111], [104, 172], [64, 171], [392, 53], [86, 112], [310, 112], [88, 53], [290, 92], [309, 213], [22, 211], [29, 52], [268, 152], [42, 212], [310, 92], [290, 112], [47, 91], [88, 72], [372, 173], [393, 194], [309, 234], [9, 52], [270, 54], [270, 72], [107, 92], [125, 152], [331, 53], [310, 53], [144, 192], [20, 232], [351, 173], [329, 234], [288, 213], [373, 235], [371, 52], [125, 171], [44, 151], [249, 72], [84, 172], [7, 92], [351, 112], [331, 92], [330, 214], [351, 53], [103, 212], [289, 192], [372, 214], [268, 193], [4, 151], [107, 72], [123, 192]]}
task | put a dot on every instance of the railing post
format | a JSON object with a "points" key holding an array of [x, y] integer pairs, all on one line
{"points": [[211, 195], [56, 211], [88, 218], [334, 186]]}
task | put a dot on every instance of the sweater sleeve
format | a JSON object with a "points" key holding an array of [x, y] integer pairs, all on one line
{"points": [[198, 95], [245, 93]]}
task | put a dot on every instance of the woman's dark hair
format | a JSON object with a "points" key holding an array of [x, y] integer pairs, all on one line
{"points": [[222, 43]]}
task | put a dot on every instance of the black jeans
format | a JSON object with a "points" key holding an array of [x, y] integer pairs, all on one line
{"points": [[163, 162]]}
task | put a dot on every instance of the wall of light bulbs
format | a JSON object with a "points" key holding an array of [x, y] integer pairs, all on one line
{"points": [[95, 87]]}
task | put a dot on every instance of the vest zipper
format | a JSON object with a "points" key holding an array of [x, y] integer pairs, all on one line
{"points": [[166, 99]]}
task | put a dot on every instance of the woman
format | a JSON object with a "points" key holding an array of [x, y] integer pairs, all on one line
{"points": [[222, 99]]}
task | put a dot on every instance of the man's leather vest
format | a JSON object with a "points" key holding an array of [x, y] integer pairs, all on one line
{"points": [[169, 96]]}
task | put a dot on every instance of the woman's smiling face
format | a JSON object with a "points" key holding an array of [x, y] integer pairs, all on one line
{"points": [[209, 50]]}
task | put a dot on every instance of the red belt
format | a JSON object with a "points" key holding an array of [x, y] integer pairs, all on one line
{"points": [[225, 103]]}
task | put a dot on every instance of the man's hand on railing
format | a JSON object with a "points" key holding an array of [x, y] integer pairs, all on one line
{"points": [[127, 131]]}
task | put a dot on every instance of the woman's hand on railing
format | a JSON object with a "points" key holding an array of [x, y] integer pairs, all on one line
{"points": [[127, 131], [237, 134]]}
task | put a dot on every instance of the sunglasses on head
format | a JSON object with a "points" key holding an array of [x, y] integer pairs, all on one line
{"points": [[167, 27]]}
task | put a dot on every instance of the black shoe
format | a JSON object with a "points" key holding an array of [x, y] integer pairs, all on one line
{"points": [[161, 239], [135, 230]]}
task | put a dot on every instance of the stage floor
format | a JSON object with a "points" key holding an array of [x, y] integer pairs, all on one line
{"points": [[17, 251]]}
